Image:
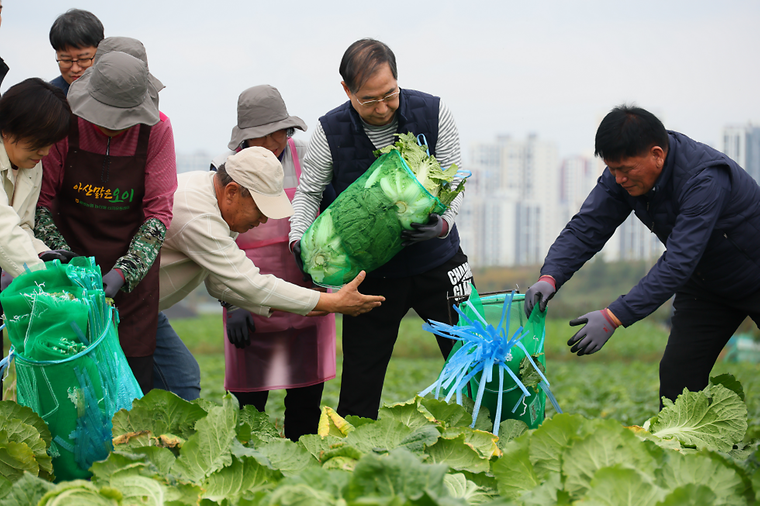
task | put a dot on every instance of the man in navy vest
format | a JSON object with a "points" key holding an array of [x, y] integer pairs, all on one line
{"points": [[706, 210], [432, 266]]}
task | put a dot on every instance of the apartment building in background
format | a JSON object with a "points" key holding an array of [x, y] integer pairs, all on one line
{"points": [[742, 144]]}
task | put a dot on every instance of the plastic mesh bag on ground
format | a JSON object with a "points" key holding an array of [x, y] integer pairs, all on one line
{"points": [[498, 359], [70, 368], [361, 230]]}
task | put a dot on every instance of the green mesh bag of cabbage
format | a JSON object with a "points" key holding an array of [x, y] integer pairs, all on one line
{"points": [[70, 368], [498, 359], [361, 229]]}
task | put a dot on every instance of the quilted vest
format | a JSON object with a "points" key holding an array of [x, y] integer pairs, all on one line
{"points": [[352, 154]]}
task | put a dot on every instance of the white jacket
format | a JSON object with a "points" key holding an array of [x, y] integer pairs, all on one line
{"points": [[18, 201], [200, 247]]}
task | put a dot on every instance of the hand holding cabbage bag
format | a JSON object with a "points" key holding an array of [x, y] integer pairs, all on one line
{"points": [[364, 227]]}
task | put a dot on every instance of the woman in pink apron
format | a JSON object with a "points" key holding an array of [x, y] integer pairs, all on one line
{"points": [[287, 351]]}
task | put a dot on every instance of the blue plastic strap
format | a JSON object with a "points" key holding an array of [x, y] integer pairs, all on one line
{"points": [[80, 334], [5, 362], [422, 141], [63, 444], [550, 395], [497, 418], [483, 349]]}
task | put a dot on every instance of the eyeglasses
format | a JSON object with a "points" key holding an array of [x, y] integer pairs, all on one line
{"points": [[83, 62], [386, 99]]}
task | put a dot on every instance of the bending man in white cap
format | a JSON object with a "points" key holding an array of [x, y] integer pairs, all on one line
{"points": [[210, 210]]}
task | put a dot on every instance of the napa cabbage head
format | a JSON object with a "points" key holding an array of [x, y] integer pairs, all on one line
{"points": [[427, 170]]}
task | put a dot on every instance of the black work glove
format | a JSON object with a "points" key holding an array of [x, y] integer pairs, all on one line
{"points": [[5, 280], [239, 324], [598, 328], [58, 254], [112, 283], [299, 261], [423, 231], [541, 291]]}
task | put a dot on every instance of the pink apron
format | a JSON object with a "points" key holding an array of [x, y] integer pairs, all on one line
{"points": [[287, 350]]}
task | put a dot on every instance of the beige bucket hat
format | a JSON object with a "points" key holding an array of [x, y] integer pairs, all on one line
{"points": [[260, 172], [113, 93], [260, 112]]}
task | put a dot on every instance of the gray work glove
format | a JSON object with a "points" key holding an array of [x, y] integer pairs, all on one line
{"points": [[541, 291], [112, 283], [299, 262], [598, 328], [239, 325], [423, 231], [5, 280], [58, 254]]}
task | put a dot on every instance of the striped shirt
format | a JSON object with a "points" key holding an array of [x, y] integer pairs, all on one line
{"points": [[317, 169]]}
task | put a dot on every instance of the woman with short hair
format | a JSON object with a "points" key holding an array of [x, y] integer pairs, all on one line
{"points": [[34, 115], [286, 351]]}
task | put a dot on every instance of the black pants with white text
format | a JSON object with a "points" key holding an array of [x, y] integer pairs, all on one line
{"points": [[368, 339]]}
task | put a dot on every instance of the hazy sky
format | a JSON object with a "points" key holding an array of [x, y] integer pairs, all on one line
{"points": [[504, 67]]}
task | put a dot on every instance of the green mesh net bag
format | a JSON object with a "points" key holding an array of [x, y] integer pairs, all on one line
{"points": [[361, 229], [498, 359], [70, 368]]}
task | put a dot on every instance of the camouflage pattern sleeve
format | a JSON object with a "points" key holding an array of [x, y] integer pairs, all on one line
{"points": [[46, 231], [142, 252]]}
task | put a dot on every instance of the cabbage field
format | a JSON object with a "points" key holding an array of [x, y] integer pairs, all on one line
{"points": [[610, 447]]}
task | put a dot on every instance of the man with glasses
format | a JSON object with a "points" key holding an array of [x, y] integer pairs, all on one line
{"points": [[75, 36], [432, 266]]}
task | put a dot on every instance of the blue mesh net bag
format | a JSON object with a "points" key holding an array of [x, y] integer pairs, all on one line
{"points": [[70, 368], [361, 229], [498, 359]]}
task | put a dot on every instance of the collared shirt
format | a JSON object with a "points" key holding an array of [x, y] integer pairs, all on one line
{"points": [[200, 247], [18, 199], [60, 82]]}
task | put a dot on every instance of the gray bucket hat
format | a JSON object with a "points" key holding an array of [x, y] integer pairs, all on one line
{"points": [[130, 46], [113, 93], [260, 112]]}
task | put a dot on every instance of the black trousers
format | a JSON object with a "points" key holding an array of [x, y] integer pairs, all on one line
{"points": [[302, 409], [368, 339], [142, 368], [702, 325]]}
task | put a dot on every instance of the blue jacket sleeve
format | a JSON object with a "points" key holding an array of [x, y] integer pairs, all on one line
{"points": [[701, 203], [603, 211]]}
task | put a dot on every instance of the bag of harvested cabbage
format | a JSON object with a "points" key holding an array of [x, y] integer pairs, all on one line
{"points": [[361, 230], [70, 368]]}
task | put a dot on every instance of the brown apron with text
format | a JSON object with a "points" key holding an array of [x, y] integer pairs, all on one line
{"points": [[98, 210]]}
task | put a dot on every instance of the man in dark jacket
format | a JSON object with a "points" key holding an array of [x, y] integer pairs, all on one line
{"points": [[706, 210], [431, 266]]}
